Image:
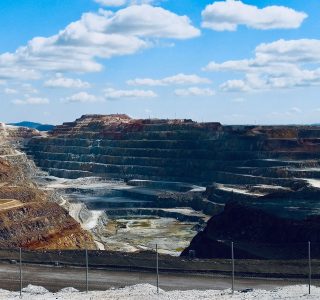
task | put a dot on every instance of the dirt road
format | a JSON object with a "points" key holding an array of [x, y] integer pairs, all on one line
{"points": [[55, 278]]}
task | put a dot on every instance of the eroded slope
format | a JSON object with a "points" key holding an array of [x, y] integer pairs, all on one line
{"points": [[27, 218]]}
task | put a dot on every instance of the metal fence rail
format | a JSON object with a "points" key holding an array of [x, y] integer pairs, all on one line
{"points": [[233, 270]]}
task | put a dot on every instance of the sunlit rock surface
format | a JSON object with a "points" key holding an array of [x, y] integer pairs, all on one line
{"points": [[27, 218]]}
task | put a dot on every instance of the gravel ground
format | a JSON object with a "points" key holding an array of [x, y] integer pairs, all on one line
{"points": [[148, 292]]}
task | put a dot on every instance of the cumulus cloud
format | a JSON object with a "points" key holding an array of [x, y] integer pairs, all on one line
{"points": [[194, 91], [149, 21], [111, 93], [280, 64], [228, 15], [172, 80], [82, 97], [62, 82], [95, 36], [234, 86], [31, 101]]}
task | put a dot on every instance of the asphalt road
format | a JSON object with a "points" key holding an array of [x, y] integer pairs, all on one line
{"points": [[56, 278]]}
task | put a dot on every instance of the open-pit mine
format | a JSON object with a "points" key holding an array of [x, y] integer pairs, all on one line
{"points": [[116, 183]]}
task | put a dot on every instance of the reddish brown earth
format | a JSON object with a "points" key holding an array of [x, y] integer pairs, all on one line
{"points": [[27, 218]]}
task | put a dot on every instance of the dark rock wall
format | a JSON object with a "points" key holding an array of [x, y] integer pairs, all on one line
{"points": [[256, 234]]}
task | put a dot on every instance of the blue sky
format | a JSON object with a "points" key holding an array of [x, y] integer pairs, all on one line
{"points": [[237, 62]]}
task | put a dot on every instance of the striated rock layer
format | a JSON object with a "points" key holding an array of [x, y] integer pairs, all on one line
{"points": [[178, 150], [27, 218], [270, 169]]}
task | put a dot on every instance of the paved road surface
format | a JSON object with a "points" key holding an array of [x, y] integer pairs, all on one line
{"points": [[55, 278]]}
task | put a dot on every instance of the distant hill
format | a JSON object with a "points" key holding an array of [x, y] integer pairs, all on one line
{"points": [[38, 126]]}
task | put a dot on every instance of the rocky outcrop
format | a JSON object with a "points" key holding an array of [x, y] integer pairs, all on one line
{"points": [[41, 226]]}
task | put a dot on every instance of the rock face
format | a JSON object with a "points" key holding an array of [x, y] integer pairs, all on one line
{"points": [[274, 170], [257, 234], [40, 225], [27, 219], [178, 150]]}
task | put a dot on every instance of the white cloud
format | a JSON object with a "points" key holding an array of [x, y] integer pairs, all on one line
{"points": [[111, 93], [62, 82], [11, 70], [194, 91], [111, 2], [295, 110], [31, 101], [25, 89], [280, 64], [172, 80], [9, 91], [229, 14], [124, 2], [149, 21], [82, 97], [302, 50], [95, 36], [28, 88], [234, 85]]}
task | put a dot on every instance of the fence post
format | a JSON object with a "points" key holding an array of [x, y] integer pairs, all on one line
{"points": [[232, 257], [157, 259], [87, 271], [309, 259], [20, 270]]}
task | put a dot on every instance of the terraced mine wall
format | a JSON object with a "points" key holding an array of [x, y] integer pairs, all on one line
{"points": [[118, 147], [273, 170]]}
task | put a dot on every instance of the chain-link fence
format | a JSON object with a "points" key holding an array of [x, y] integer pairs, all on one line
{"points": [[101, 270]]}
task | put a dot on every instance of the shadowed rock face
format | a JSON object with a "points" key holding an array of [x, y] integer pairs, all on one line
{"points": [[269, 169], [257, 234], [27, 219]]}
